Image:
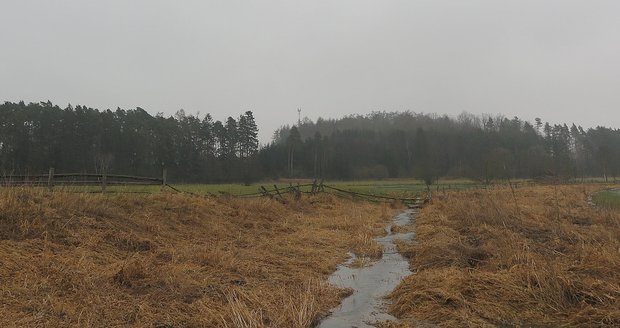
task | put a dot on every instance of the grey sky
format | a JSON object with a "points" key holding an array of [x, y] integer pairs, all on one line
{"points": [[558, 60]]}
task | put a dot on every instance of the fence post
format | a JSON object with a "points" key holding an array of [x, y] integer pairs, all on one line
{"points": [[50, 179], [104, 181], [164, 178], [298, 192]]}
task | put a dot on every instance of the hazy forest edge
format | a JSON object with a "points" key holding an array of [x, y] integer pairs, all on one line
{"points": [[196, 148]]}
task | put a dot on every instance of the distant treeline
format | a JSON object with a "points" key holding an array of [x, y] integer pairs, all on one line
{"points": [[406, 144], [36, 136]]}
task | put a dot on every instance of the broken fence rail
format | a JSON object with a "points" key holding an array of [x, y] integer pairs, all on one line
{"points": [[277, 192]]}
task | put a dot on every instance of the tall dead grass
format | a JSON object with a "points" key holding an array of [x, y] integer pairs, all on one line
{"points": [[168, 260], [539, 257]]}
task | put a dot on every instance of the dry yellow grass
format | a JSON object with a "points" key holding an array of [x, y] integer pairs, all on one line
{"points": [[539, 257], [169, 260]]}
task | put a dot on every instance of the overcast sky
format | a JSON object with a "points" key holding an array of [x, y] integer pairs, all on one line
{"points": [[558, 60]]}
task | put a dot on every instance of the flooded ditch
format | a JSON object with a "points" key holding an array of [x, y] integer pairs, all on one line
{"points": [[370, 284]]}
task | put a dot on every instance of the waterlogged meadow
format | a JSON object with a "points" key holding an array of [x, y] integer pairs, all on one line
{"points": [[540, 256], [499, 256], [175, 260]]}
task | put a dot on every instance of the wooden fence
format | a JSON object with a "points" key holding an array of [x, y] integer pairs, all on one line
{"points": [[79, 179]]}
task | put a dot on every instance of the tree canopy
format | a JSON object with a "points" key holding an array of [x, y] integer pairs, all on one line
{"points": [[429, 146], [36, 136]]}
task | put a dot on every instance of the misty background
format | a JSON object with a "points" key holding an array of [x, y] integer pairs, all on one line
{"points": [[557, 60]]}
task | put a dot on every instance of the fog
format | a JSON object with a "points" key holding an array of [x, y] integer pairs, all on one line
{"points": [[557, 60]]}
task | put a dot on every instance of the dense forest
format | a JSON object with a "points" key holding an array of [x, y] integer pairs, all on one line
{"points": [[36, 136], [429, 146]]}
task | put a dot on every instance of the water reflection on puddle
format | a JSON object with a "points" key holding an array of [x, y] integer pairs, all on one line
{"points": [[371, 283]]}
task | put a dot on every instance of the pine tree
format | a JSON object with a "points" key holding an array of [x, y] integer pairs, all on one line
{"points": [[422, 168], [248, 135], [293, 141], [232, 138]]}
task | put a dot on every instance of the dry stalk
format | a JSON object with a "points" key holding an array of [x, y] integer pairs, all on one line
{"points": [[169, 260], [538, 269]]}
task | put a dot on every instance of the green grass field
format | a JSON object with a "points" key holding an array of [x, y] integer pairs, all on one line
{"points": [[607, 198], [389, 187], [396, 187]]}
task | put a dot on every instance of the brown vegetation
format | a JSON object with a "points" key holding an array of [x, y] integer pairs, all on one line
{"points": [[540, 256], [170, 260]]}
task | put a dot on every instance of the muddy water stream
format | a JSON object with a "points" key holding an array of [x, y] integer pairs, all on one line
{"points": [[370, 284]]}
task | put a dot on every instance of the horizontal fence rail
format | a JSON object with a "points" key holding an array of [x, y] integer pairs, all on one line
{"points": [[80, 179], [277, 193]]}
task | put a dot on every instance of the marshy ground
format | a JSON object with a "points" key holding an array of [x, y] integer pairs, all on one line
{"points": [[373, 280], [534, 256], [165, 260]]}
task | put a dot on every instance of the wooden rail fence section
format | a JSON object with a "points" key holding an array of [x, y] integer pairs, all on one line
{"points": [[104, 180], [80, 179], [318, 187]]}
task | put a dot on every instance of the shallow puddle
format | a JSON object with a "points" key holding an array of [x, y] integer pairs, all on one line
{"points": [[372, 283]]}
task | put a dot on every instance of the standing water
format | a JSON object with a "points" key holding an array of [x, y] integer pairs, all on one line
{"points": [[372, 283]]}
